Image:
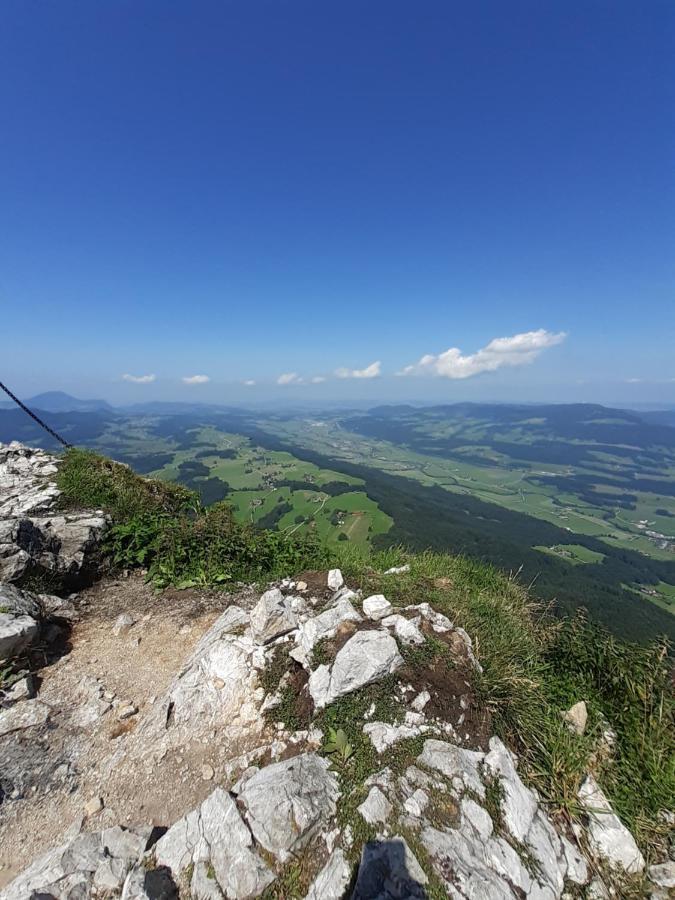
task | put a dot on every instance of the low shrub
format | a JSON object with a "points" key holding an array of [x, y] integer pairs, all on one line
{"points": [[164, 528]]}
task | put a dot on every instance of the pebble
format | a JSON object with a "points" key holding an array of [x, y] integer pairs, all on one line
{"points": [[93, 806], [207, 772]]}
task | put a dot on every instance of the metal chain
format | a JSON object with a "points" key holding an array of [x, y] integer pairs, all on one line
{"points": [[33, 416]]}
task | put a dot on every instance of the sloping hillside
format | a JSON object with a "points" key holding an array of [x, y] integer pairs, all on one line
{"points": [[226, 712]]}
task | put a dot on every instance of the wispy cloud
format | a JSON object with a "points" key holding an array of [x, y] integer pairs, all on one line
{"points": [[195, 379], [317, 379], [249, 382], [371, 371], [517, 350], [139, 379], [289, 378]]}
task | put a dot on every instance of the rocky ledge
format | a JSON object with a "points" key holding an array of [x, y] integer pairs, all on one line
{"points": [[428, 803], [37, 538], [436, 811]]}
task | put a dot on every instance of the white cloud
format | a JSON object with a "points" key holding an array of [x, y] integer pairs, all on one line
{"points": [[139, 379], [517, 350], [371, 371], [317, 379], [633, 381], [195, 379], [289, 378], [249, 382]]}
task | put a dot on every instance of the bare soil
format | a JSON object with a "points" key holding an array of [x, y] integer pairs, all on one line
{"points": [[51, 772]]}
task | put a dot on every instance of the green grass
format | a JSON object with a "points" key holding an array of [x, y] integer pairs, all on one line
{"points": [[575, 554], [535, 667], [163, 528]]}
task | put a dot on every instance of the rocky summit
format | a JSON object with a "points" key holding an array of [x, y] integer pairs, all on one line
{"points": [[192, 744]]}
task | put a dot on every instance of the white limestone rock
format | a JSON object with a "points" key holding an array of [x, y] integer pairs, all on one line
{"points": [[398, 570], [332, 881], [438, 621], [461, 767], [287, 803], [421, 701], [20, 615], [272, 616], [366, 657], [215, 834], [383, 735], [87, 865], [473, 868], [663, 875], [518, 804], [335, 580], [218, 690], [29, 714], [377, 607], [577, 867], [326, 624], [406, 630], [576, 717], [375, 808], [608, 837]]}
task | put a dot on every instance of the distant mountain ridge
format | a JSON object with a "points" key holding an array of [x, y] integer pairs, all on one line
{"points": [[59, 401]]}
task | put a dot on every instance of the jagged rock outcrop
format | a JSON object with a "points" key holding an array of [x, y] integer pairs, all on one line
{"points": [[255, 694], [608, 837], [85, 866], [36, 537], [20, 616], [277, 800]]}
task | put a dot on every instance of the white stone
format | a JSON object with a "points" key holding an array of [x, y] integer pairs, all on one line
{"points": [[608, 837], [85, 866], [215, 833], [421, 701], [93, 806], [272, 616], [461, 767], [383, 735], [577, 867], [576, 717], [518, 804], [663, 874], [416, 803], [287, 803], [477, 817], [377, 607], [398, 570], [16, 633], [123, 623], [438, 621], [28, 714], [375, 808], [335, 580], [366, 657], [326, 624], [332, 881], [406, 630]]}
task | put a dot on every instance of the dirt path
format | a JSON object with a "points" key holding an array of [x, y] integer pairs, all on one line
{"points": [[61, 766]]}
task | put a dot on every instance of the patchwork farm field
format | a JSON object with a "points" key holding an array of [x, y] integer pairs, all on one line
{"points": [[576, 500], [271, 488]]}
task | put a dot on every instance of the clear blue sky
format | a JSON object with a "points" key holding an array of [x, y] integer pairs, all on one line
{"points": [[245, 190]]}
